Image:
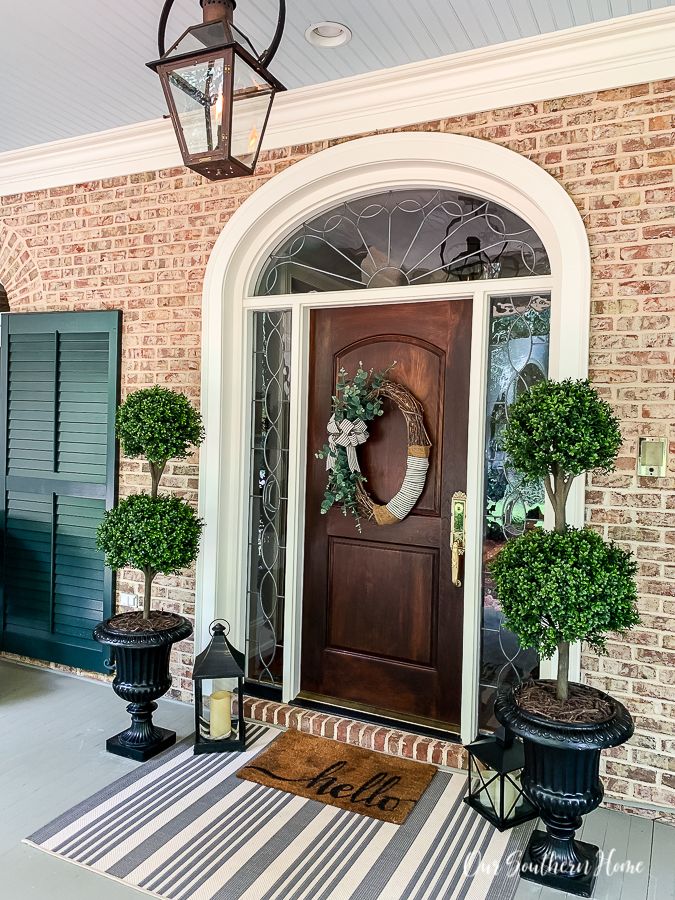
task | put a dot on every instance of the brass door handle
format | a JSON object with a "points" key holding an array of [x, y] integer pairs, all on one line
{"points": [[458, 536], [457, 551]]}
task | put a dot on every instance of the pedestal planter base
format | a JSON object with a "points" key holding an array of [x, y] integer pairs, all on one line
{"points": [[165, 740], [141, 677], [533, 868], [561, 778]]}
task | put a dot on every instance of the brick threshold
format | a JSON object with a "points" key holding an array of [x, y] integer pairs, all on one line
{"points": [[359, 734]]}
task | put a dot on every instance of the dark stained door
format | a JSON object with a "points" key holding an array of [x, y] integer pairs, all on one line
{"points": [[382, 621]]}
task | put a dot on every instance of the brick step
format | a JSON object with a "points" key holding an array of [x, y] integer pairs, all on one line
{"points": [[360, 734]]}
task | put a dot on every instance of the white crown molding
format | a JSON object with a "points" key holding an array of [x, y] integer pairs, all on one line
{"points": [[618, 52]]}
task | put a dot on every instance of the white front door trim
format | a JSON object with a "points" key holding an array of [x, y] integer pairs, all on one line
{"points": [[355, 168]]}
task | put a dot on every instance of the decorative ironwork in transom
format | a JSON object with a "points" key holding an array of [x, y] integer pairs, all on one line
{"points": [[406, 237]]}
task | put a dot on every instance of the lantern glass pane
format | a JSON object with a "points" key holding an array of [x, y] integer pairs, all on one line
{"points": [[210, 34], [252, 98], [198, 95]]}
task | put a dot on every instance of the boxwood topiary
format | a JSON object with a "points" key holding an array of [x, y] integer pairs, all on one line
{"points": [[159, 424], [556, 588], [556, 431], [158, 535], [565, 587]]}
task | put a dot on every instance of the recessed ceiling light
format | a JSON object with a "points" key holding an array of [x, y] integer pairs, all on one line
{"points": [[328, 34]]}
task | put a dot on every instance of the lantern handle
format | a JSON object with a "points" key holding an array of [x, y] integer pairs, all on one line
{"points": [[215, 621], [264, 59], [161, 32]]}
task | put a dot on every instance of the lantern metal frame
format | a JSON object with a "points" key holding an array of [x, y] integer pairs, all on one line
{"points": [[219, 660], [503, 759], [218, 164]]}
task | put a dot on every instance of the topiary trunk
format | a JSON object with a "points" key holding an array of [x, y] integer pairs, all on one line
{"points": [[558, 489], [149, 575], [156, 472]]}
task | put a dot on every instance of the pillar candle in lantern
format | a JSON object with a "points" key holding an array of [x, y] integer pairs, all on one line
{"points": [[510, 792], [221, 716]]}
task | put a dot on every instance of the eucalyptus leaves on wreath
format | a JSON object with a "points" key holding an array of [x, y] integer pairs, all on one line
{"points": [[355, 401]]}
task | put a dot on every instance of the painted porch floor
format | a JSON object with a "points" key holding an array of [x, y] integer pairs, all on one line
{"points": [[52, 733]]}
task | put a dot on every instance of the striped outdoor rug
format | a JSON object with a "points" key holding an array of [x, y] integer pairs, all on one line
{"points": [[185, 827]]}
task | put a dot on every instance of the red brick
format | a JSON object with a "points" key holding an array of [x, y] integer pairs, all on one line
{"points": [[546, 123], [647, 251]]}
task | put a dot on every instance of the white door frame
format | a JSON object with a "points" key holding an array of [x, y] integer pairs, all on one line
{"points": [[355, 168]]}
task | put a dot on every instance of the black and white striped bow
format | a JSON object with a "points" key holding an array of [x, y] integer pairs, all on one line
{"points": [[348, 435]]}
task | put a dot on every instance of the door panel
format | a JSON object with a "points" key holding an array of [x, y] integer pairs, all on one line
{"points": [[382, 621], [354, 621]]}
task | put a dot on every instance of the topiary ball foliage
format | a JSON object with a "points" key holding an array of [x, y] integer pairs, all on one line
{"points": [[159, 424], [161, 534], [563, 422], [565, 587]]}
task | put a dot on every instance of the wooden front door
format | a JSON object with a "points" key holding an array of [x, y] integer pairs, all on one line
{"points": [[382, 620]]}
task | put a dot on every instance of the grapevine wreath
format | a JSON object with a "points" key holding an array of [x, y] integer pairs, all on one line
{"points": [[355, 404]]}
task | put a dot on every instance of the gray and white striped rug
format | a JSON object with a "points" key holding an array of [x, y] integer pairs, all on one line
{"points": [[185, 827]]}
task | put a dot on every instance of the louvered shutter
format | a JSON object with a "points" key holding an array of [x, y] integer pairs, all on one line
{"points": [[60, 390]]}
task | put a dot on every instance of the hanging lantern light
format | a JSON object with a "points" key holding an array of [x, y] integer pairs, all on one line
{"points": [[218, 90]]}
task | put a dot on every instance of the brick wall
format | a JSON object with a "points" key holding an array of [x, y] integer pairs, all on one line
{"points": [[141, 243]]}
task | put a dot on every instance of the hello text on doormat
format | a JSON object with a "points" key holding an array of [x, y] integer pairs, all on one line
{"points": [[362, 781]]}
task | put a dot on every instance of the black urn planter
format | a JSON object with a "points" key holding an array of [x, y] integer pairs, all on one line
{"points": [[141, 677], [561, 778]]}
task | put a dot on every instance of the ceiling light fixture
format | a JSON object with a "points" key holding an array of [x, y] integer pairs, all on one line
{"points": [[328, 34], [218, 89]]}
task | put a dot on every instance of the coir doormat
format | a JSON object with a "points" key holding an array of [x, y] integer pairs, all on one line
{"points": [[362, 781]]}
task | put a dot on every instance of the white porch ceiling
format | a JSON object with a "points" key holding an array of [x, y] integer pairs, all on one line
{"points": [[72, 67]]}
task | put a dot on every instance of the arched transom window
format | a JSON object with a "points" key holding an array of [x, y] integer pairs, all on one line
{"points": [[404, 237]]}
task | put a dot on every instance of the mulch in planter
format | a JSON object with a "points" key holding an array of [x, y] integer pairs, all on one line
{"points": [[585, 704], [134, 623]]}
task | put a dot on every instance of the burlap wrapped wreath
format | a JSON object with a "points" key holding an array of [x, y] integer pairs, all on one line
{"points": [[350, 434]]}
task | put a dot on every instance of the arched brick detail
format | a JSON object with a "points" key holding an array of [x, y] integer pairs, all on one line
{"points": [[19, 274]]}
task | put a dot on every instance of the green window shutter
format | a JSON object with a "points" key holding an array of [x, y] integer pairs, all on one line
{"points": [[58, 473]]}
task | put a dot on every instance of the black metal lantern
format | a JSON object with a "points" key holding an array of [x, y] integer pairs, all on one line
{"points": [[494, 786], [219, 660], [218, 90]]}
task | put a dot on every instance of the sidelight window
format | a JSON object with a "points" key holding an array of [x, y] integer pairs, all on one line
{"points": [[517, 360], [268, 495]]}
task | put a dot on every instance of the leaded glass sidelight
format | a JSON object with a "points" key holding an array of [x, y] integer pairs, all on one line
{"points": [[406, 237], [268, 496], [517, 359]]}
